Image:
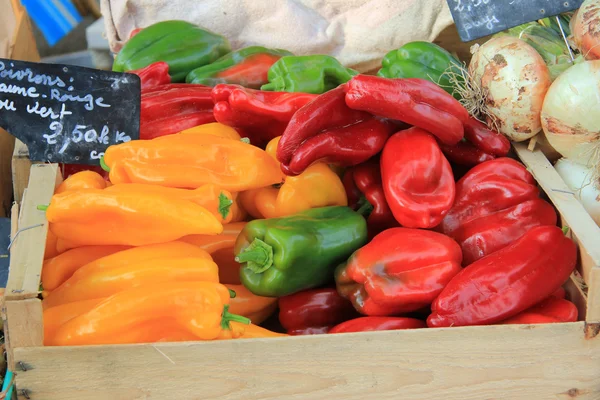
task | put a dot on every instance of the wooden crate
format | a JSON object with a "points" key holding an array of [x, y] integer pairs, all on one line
{"points": [[551, 361]]}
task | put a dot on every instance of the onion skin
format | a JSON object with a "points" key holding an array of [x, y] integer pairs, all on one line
{"points": [[571, 113], [580, 180], [515, 79], [586, 29]]}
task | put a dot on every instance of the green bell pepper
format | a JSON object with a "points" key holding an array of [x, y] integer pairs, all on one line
{"points": [[281, 256], [247, 67], [182, 45], [423, 60], [308, 74]]}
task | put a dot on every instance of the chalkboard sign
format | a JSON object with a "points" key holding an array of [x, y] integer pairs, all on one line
{"points": [[67, 114], [478, 18]]}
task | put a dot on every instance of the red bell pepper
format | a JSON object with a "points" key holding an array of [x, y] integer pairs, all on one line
{"points": [[326, 112], [169, 109], [400, 270], [417, 179], [153, 75], [366, 324], [261, 115], [343, 147], [364, 189], [552, 309], [496, 203], [313, 311], [486, 140], [464, 153], [560, 293], [414, 101], [507, 282]]}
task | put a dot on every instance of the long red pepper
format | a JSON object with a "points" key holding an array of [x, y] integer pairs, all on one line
{"points": [[485, 139], [366, 324]]}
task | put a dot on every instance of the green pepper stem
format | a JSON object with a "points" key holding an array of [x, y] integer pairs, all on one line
{"points": [[365, 208], [245, 140], [228, 317], [42, 207], [224, 205], [258, 256], [232, 293], [565, 230], [103, 164]]}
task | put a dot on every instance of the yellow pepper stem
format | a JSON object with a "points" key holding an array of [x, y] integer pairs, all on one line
{"points": [[228, 317], [103, 164], [42, 207], [258, 256], [224, 205]]}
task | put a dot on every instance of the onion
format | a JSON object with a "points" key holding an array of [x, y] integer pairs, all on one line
{"points": [[512, 79], [585, 26], [571, 113], [579, 179]]}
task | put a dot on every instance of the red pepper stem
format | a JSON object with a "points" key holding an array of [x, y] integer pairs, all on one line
{"points": [[228, 317], [258, 256], [42, 207], [103, 164]]}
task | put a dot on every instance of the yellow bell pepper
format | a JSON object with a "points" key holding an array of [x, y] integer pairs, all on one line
{"points": [[317, 186]]}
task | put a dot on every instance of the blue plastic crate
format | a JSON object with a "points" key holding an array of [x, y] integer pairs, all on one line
{"points": [[54, 18]]}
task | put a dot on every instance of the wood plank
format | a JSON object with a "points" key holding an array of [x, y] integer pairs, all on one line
{"points": [[585, 231], [28, 255], [24, 326], [21, 167], [552, 361], [593, 296], [7, 144]]}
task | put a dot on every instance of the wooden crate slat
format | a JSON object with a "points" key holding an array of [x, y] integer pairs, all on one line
{"points": [[552, 361]]}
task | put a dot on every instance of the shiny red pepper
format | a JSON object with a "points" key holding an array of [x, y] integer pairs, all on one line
{"points": [[464, 153], [414, 101], [366, 324], [507, 282], [364, 189], [552, 309], [155, 74], [485, 139], [313, 311], [343, 147], [496, 203], [326, 112], [400, 270], [417, 179], [261, 115], [170, 109]]}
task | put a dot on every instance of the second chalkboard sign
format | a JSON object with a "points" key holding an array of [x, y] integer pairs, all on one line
{"points": [[67, 114], [475, 19]]}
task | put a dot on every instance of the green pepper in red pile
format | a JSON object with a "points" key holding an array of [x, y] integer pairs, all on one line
{"points": [[261, 116], [247, 67], [314, 311], [365, 194], [399, 271], [508, 281], [496, 203]]}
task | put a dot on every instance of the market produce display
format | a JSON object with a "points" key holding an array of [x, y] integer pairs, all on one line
{"points": [[273, 194]]}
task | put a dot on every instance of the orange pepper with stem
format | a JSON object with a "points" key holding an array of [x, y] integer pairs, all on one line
{"points": [[58, 269], [126, 217], [200, 308], [317, 186], [189, 161], [213, 129], [90, 283], [218, 201], [220, 247], [82, 180], [249, 305]]}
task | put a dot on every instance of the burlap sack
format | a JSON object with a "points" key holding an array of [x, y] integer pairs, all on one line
{"points": [[357, 32]]}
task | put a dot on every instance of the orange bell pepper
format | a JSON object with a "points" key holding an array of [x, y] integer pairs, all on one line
{"points": [[218, 201], [89, 283], [249, 305], [82, 180], [58, 269], [317, 186], [220, 247], [51, 249], [56, 317], [126, 217], [200, 308], [190, 161], [214, 129]]}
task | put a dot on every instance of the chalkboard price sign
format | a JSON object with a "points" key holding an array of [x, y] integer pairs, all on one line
{"points": [[68, 114], [475, 19]]}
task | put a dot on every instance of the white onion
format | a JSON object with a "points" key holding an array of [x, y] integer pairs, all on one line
{"points": [[571, 113], [513, 78], [580, 180], [585, 26]]}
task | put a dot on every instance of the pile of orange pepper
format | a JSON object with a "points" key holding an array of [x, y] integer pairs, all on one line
{"points": [[147, 255]]}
